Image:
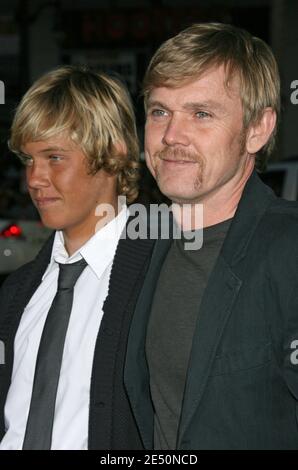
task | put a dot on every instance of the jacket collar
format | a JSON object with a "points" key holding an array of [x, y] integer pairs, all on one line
{"points": [[254, 201]]}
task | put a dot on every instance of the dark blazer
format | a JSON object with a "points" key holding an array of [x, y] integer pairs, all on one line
{"points": [[242, 383], [111, 422]]}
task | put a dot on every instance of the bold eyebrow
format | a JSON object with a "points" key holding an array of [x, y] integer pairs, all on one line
{"points": [[157, 104], [191, 106], [209, 104]]}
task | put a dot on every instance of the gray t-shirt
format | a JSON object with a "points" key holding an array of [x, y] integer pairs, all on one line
{"points": [[175, 308]]}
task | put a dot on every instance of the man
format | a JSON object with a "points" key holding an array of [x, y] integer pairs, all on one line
{"points": [[75, 132], [212, 359]]}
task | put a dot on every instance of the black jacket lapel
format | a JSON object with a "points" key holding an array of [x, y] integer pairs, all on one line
{"points": [[136, 375], [127, 276], [216, 306]]}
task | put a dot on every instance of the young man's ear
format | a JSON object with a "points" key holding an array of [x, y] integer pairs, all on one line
{"points": [[120, 147], [258, 134]]}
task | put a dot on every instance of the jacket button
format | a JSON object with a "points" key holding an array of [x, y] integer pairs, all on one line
{"points": [[100, 404]]}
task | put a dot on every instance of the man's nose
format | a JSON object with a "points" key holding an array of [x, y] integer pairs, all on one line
{"points": [[37, 175], [176, 132]]}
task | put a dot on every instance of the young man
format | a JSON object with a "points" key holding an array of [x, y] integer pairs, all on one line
{"points": [[64, 317], [212, 360]]}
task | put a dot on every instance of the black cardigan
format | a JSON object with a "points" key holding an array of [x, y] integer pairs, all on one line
{"points": [[111, 422]]}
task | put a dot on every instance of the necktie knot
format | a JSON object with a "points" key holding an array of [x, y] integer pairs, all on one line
{"points": [[69, 274]]}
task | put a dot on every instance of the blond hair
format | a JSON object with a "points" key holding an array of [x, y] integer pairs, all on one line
{"points": [[94, 110], [203, 46]]}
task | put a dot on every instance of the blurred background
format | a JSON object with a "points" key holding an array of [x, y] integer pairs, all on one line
{"points": [[121, 36]]}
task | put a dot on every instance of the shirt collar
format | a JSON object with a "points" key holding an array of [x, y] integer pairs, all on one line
{"points": [[98, 251]]}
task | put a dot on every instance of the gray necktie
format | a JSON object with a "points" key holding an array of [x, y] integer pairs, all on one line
{"points": [[38, 435]]}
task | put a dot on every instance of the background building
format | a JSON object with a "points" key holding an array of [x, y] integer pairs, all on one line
{"points": [[120, 36]]}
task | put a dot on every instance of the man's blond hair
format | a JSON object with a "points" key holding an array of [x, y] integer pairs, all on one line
{"points": [[91, 108], [200, 47]]}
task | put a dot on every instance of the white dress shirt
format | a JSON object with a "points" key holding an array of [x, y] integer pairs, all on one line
{"points": [[70, 430]]}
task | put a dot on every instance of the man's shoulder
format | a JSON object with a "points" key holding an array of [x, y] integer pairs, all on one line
{"points": [[282, 217], [280, 206], [277, 232]]}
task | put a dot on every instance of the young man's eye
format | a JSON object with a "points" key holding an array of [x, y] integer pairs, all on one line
{"points": [[55, 158]]}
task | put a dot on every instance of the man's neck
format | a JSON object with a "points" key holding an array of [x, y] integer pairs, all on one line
{"points": [[215, 208]]}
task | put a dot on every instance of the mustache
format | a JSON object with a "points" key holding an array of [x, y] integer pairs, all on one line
{"points": [[177, 154]]}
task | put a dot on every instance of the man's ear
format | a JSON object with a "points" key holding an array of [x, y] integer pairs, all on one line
{"points": [[258, 134]]}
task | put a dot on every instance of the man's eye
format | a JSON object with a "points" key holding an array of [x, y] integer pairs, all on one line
{"points": [[202, 114], [158, 112]]}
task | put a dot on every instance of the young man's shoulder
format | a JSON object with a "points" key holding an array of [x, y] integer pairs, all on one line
{"points": [[18, 275], [16, 279]]}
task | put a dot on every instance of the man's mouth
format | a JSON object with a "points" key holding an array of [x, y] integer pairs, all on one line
{"points": [[170, 160], [174, 161], [177, 156]]}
